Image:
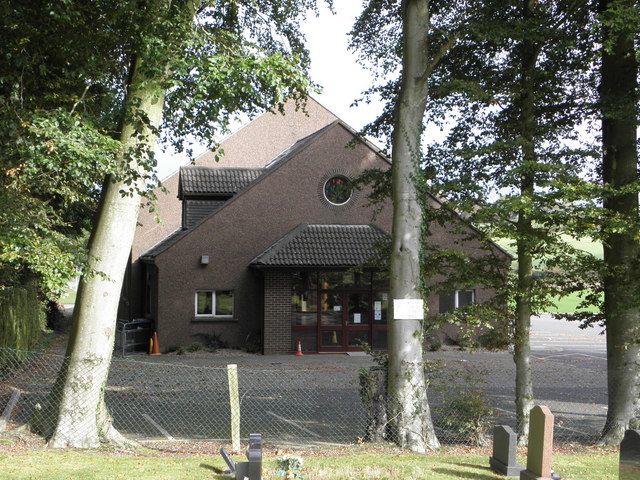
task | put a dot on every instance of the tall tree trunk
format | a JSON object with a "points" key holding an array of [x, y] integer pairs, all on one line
{"points": [[522, 348], [408, 404], [82, 418], [619, 97]]}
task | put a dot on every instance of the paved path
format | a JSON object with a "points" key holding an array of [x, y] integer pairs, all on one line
{"points": [[558, 337]]}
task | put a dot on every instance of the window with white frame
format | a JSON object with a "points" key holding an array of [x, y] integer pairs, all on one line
{"points": [[214, 303], [459, 298]]}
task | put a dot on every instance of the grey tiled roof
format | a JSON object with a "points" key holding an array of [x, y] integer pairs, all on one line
{"points": [[169, 241], [195, 180], [323, 246]]}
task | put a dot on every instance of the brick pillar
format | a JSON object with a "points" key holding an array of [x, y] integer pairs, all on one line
{"points": [[277, 312]]}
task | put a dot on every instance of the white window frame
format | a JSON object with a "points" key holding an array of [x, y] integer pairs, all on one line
{"points": [[213, 304], [456, 298]]}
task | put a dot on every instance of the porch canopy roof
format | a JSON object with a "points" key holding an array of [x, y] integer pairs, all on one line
{"points": [[325, 246]]}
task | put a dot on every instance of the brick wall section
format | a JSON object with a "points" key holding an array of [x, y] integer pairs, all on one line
{"points": [[277, 312]]}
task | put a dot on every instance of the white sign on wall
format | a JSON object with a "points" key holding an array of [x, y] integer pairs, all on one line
{"points": [[408, 308]]}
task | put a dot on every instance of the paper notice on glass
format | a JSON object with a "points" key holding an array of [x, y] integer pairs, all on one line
{"points": [[377, 310], [408, 308], [356, 318]]}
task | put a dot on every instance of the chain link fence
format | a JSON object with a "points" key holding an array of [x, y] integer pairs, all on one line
{"points": [[289, 405]]}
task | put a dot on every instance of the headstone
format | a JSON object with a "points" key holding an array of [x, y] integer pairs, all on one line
{"points": [[503, 460], [251, 470], [630, 456], [540, 446]]}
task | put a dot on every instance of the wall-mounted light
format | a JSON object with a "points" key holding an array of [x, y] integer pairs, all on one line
{"points": [[204, 260]]}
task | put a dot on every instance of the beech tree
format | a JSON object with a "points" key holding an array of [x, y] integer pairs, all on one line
{"points": [[53, 158], [199, 62], [620, 23], [516, 93], [407, 393], [403, 42]]}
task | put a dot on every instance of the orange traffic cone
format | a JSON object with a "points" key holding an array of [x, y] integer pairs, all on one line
{"points": [[155, 347], [299, 349]]}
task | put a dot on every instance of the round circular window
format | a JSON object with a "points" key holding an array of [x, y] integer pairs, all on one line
{"points": [[337, 190]]}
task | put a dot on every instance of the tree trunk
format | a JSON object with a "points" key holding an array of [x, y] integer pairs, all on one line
{"points": [[522, 347], [619, 97], [82, 418], [529, 52], [410, 415]]}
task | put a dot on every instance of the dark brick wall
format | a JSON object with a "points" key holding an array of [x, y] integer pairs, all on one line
{"points": [[277, 312]]}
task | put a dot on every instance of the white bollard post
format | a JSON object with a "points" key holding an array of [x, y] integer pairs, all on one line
{"points": [[234, 403]]}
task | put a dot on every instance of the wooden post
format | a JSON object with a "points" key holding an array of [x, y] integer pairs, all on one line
{"points": [[234, 403], [8, 410]]}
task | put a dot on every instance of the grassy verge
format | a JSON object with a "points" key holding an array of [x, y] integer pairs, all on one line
{"points": [[94, 465], [568, 304]]}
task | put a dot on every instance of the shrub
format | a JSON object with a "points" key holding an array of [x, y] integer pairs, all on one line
{"points": [[465, 410], [194, 347], [210, 342]]}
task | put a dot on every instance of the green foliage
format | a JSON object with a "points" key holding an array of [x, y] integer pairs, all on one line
{"points": [[49, 186], [194, 347], [498, 336], [379, 357], [64, 73], [465, 409], [212, 341]]}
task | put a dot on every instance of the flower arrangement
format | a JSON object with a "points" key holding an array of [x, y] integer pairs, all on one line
{"points": [[288, 466]]}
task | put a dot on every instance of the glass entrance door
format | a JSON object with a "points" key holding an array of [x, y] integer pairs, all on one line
{"points": [[331, 335], [345, 320], [334, 311], [358, 320]]}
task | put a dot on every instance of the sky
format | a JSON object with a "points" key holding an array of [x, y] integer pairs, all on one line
{"points": [[333, 67]]}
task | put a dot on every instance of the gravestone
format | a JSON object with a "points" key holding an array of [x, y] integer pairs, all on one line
{"points": [[540, 446], [503, 460], [630, 456], [251, 470]]}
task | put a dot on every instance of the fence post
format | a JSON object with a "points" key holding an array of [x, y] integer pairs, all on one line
{"points": [[234, 403]]}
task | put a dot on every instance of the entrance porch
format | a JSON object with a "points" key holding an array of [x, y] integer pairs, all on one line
{"points": [[327, 311]]}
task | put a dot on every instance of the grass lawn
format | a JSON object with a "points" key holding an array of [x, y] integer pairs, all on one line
{"points": [[569, 303], [95, 465]]}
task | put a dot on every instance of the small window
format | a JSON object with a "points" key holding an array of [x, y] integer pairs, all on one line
{"points": [[457, 299], [337, 190], [214, 303]]}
